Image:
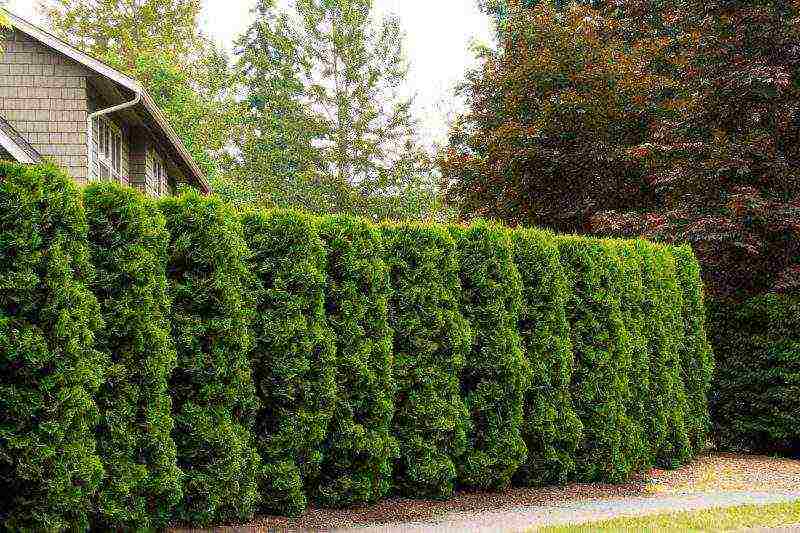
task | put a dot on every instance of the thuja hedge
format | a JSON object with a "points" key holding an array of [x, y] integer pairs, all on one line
{"points": [[336, 361], [431, 341], [128, 241], [214, 399], [293, 357], [49, 367]]}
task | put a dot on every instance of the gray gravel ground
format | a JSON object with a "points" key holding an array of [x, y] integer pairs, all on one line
{"points": [[522, 518]]}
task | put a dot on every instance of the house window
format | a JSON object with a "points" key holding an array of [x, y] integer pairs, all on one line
{"points": [[159, 174], [109, 149]]}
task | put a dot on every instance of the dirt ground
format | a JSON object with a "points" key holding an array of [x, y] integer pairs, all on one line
{"points": [[713, 474]]}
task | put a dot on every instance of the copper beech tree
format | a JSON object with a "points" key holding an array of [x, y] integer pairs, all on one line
{"points": [[676, 120]]}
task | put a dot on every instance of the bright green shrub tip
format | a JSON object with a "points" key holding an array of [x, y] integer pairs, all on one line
{"points": [[697, 357], [360, 449], [602, 352], [496, 374], [214, 399], [756, 388], [293, 358], [431, 341], [551, 428], [49, 368], [128, 244]]}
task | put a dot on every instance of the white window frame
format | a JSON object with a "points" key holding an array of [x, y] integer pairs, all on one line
{"points": [[107, 134], [159, 173]]}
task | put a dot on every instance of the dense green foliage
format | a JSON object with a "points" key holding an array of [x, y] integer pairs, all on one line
{"points": [[551, 428], [214, 399], [602, 358], [293, 355], [496, 374], [697, 358], [257, 361], [359, 449], [669, 444], [632, 306], [431, 341], [128, 244], [49, 368], [756, 391]]}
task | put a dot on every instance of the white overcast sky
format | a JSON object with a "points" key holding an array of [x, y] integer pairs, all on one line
{"points": [[439, 34]]}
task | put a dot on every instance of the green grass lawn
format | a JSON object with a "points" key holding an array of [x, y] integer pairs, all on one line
{"points": [[726, 519]]}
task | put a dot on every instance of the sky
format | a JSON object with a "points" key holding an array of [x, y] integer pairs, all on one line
{"points": [[439, 34]]}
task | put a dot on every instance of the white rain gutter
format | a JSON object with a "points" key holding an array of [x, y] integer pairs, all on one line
{"points": [[90, 126]]}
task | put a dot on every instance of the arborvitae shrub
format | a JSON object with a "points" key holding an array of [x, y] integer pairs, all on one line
{"points": [[214, 400], [632, 300], [49, 368], [293, 358], [128, 244], [551, 428], [756, 388], [496, 375], [360, 449], [431, 340], [665, 424], [678, 449], [601, 347], [697, 358]]}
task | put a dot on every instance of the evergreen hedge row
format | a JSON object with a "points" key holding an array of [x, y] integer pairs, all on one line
{"points": [[337, 361], [293, 357], [49, 368], [214, 399], [431, 342], [128, 242]]}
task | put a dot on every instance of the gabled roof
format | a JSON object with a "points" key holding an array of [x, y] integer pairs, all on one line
{"points": [[190, 166], [16, 145]]}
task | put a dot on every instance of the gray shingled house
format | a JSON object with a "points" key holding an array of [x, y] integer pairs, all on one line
{"points": [[56, 102]]}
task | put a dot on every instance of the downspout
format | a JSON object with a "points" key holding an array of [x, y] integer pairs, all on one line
{"points": [[90, 126]]}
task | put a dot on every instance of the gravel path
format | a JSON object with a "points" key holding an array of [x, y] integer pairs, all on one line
{"points": [[712, 481], [520, 519]]}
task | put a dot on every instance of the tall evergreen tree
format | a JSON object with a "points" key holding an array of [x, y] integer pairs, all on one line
{"points": [[327, 126]]}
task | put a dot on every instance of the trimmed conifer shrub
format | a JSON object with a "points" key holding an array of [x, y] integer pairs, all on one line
{"points": [[128, 244], [665, 424], [214, 399], [637, 382], [496, 375], [431, 340], [360, 449], [49, 368], [601, 347], [678, 449], [696, 355], [551, 428], [293, 358], [756, 388]]}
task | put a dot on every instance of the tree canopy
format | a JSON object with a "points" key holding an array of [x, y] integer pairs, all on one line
{"points": [[676, 120]]}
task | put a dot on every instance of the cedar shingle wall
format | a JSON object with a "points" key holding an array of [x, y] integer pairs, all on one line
{"points": [[43, 95]]}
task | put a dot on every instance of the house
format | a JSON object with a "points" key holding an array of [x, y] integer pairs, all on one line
{"points": [[59, 104]]}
